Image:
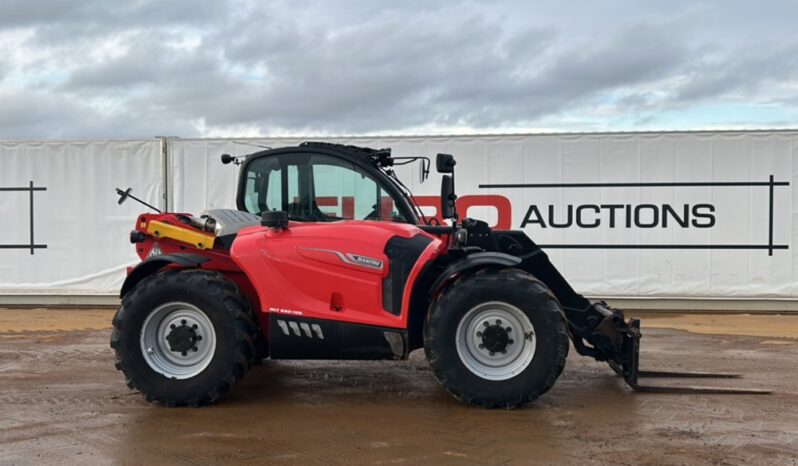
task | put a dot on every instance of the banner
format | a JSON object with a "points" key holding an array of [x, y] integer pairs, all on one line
{"points": [[677, 215], [702, 214], [62, 230]]}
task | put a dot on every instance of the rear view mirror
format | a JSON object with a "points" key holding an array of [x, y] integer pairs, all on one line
{"points": [[423, 169], [447, 196], [445, 163]]}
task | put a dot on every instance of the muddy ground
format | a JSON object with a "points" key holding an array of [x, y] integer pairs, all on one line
{"points": [[61, 401]]}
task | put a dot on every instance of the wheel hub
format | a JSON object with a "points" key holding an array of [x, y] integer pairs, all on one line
{"points": [[183, 338], [491, 342], [178, 340], [495, 338]]}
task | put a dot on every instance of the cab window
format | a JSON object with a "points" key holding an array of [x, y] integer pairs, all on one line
{"points": [[344, 192], [316, 188], [263, 187]]}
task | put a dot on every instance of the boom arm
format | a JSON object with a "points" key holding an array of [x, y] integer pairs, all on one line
{"points": [[596, 329]]}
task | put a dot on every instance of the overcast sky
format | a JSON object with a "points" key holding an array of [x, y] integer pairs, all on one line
{"points": [[139, 68]]}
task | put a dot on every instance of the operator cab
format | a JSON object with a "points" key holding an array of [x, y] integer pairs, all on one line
{"points": [[320, 184], [325, 182]]}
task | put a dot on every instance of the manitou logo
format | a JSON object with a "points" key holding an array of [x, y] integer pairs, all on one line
{"points": [[351, 259], [366, 261]]}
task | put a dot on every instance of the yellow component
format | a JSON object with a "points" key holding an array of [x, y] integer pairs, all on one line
{"points": [[185, 235]]}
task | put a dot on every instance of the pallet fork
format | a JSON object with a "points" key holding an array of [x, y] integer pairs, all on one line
{"points": [[631, 373]]}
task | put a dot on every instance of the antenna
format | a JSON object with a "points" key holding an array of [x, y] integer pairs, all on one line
{"points": [[251, 144], [123, 195]]}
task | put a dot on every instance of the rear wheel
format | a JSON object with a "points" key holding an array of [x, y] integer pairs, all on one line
{"points": [[183, 337], [496, 338]]}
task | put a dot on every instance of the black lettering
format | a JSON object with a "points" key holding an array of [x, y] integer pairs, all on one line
{"points": [[596, 220], [612, 208], [533, 210], [628, 216], [568, 222], [708, 216], [654, 212], [684, 220]]}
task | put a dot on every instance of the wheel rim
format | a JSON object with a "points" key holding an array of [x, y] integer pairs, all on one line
{"points": [[496, 340], [178, 340]]}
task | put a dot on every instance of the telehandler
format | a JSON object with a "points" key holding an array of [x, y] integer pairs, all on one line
{"points": [[328, 256]]}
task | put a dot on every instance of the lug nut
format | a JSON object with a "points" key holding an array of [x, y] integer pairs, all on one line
{"points": [[481, 346], [194, 349], [199, 337], [479, 334], [486, 324], [509, 329], [194, 326], [184, 353], [510, 341], [498, 322], [492, 353], [172, 326], [183, 321]]}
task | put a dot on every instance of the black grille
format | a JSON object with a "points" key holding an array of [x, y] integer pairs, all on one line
{"points": [[402, 256]]}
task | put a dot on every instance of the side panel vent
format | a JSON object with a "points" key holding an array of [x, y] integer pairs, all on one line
{"points": [[402, 255]]}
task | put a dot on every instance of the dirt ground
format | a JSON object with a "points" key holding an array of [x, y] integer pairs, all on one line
{"points": [[61, 401]]}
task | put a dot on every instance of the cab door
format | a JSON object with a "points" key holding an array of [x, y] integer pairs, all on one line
{"points": [[322, 281], [316, 188]]}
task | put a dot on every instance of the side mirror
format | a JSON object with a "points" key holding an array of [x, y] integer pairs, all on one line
{"points": [[447, 196], [274, 219], [445, 163], [227, 159], [423, 170]]}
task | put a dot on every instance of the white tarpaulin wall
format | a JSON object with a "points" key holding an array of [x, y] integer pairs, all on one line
{"points": [[80, 234], [632, 215], [621, 215]]}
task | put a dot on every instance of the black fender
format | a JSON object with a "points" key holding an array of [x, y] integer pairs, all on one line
{"points": [[153, 264], [469, 263]]}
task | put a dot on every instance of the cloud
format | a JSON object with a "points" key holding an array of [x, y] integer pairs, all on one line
{"points": [[189, 68], [745, 70], [89, 14], [37, 114]]}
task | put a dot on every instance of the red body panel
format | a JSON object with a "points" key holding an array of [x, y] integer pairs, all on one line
{"points": [[327, 270], [308, 269], [219, 259]]}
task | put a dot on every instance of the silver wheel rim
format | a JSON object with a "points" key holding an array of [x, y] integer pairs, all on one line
{"points": [[158, 352], [474, 345]]}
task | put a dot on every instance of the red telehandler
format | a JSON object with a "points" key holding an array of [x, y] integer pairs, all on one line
{"points": [[328, 256]]}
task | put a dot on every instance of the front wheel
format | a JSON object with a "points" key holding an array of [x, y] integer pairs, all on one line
{"points": [[183, 337], [496, 338]]}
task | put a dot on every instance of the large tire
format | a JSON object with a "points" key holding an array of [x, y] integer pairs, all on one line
{"points": [[261, 345], [166, 305], [492, 300]]}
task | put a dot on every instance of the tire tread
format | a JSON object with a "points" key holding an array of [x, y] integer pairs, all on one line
{"points": [[493, 277], [227, 296]]}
